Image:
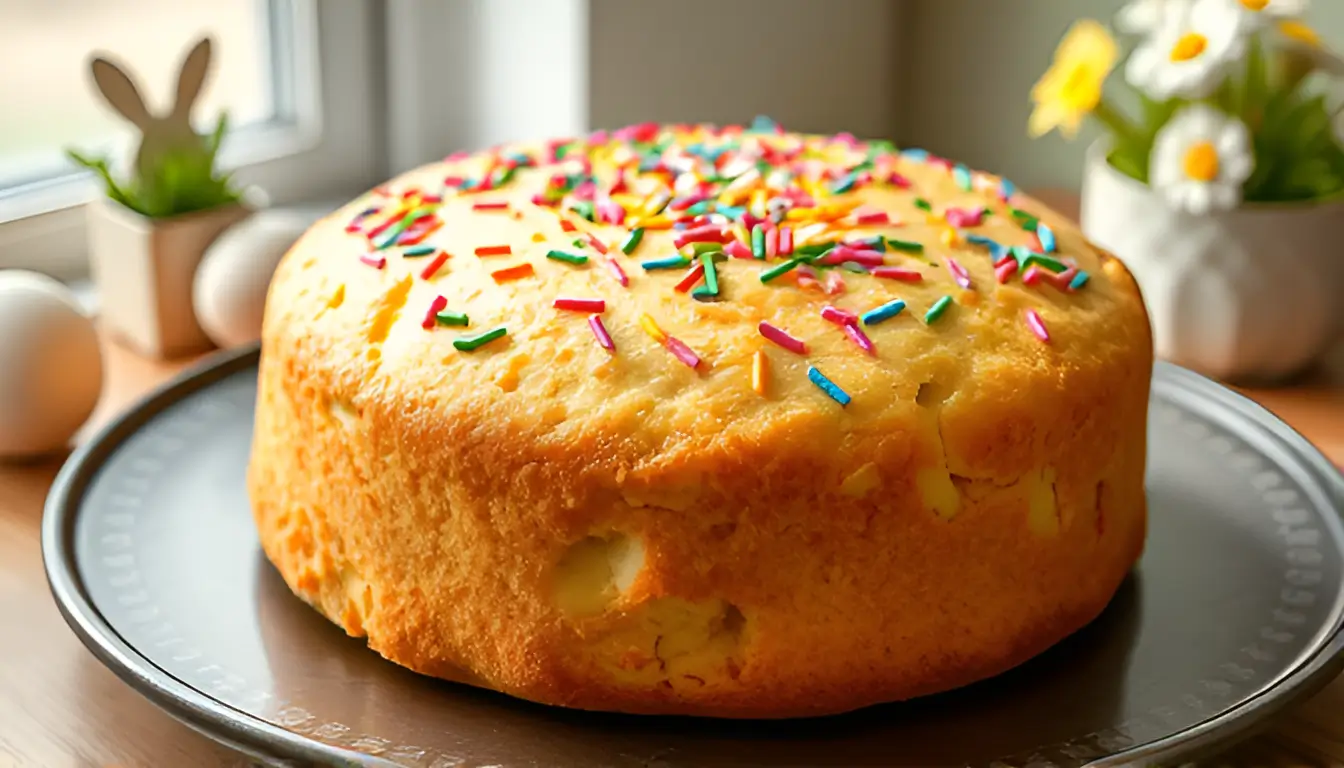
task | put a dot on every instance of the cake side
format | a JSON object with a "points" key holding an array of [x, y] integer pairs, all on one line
{"points": [[624, 531]]}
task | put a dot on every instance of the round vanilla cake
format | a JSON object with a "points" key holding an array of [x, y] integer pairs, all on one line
{"points": [[686, 419]]}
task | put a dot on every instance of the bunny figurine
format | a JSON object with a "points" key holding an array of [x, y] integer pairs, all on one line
{"points": [[161, 134]]}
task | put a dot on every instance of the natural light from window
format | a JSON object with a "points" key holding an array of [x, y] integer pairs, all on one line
{"points": [[45, 47]]}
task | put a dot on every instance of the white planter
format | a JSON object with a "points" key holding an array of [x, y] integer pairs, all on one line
{"points": [[1247, 296], [144, 268]]}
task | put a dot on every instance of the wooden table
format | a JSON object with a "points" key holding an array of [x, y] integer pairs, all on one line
{"points": [[61, 707]]}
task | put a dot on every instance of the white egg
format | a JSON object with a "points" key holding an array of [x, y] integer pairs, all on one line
{"points": [[229, 294], [51, 366]]}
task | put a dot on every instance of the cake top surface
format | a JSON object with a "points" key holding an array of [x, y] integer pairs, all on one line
{"points": [[663, 282]]}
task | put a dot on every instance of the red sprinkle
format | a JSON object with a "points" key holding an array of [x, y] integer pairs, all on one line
{"points": [[377, 262], [782, 338], [692, 277], [738, 250], [708, 234], [433, 267], [872, 217], [493, 206], [898, 273], [1006, 269], [568, 226], [598, 245], [785, 241], [1037, 326], [771, 243], [581, 305], [512, 273], [600, 331], [494, 250], [964, 217], [435, 307], [1032, 276], [843, 253], [838, 316]]}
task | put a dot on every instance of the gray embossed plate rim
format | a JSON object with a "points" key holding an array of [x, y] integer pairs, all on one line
{"points": [[1127, 743]]}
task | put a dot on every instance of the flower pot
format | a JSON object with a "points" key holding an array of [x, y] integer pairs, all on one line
{"points": [[143, 269], [1246, 295]]}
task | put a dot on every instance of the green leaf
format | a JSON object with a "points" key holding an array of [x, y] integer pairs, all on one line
{"points": [[1257, 81]]}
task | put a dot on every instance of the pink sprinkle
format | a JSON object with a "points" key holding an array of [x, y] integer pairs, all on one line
{"points": [[1006, 269], [871, 217], [854, 332], [435, 307], [452, 181], [430, 200], [843, 253], [682, 352], [1062, 280], [897, 180], [738, 250], [771, 243], [541, 201], [377, 262], [1032, 276], [500, 206], [1037, 326], [785, 241], [682, 203], [709, 234], [959, 273], [611, 212], [617, 272], [898, 273], [600, 331], [782, 338], [352, 229], [835, 284], [964, 217], [581, 305], [585, 191], [456, 156], [598, 245], [838, 316]]}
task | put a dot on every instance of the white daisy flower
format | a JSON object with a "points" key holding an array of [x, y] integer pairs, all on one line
{"points": [[1189, 53], [1258, 14], [1140, 17], [1200, 160]]}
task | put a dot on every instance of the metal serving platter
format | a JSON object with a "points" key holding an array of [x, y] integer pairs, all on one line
{"points": [[1234, 612]]}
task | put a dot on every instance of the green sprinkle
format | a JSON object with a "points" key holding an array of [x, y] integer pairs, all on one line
{"points": [[733, 212], [451, 318], [699, 248], [699, 208], [711, 275], [923, 204], [503, 176], [472, 343], [963, 176], [758, 241], [1049, 262], [394, 232], [936, 311], [1026, 220], [667, 262], [776, 271], [568, 258], [584, 208], [909, 246], [579, 243], [632, 240], [845, 183], [418, 251], [815, 249]]}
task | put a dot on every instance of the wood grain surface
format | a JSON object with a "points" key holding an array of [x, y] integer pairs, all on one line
{"points": [[60, 707]]}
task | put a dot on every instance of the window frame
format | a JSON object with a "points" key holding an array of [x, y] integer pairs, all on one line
{"points": [[326, 140]]}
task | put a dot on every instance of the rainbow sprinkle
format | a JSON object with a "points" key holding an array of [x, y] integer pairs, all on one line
{"points": [[936, 311], [600, 331], [580, 305], [826, 385], [782, 338], [884, 312], [760, 372], [1037, 325], [472, 343]]}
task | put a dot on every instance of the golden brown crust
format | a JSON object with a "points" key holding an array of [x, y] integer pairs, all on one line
{"points": [[623, 533]]}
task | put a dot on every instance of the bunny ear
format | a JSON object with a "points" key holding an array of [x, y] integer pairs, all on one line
{"points": [[120, 92], [192, 78]]}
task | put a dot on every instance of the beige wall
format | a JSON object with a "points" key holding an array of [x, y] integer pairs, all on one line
{"points": [[972, 65]]}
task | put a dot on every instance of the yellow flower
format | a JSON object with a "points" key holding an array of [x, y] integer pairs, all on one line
{"points": [[1299, 32], [1071, 88]]}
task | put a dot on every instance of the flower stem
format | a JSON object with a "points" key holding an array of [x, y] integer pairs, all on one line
{"points": [[1113, 120]]}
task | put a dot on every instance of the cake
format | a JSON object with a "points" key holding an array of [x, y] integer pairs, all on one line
{"points": [[717, 421]]}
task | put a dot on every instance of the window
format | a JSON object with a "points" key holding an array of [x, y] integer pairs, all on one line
{"points": [[298, 79]]}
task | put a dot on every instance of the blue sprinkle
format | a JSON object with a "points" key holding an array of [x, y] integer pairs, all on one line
{"points": [[826, 385], [668, 262], [1047, 237], [419, 250], [731, 211], [997, 251], [884, 312], [988, 242], [845, 183], [1006, 189], [916, 155], [763, 124], [963, 176], [1078, 281]]}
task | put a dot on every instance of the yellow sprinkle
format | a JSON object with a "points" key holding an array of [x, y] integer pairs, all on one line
{"points": [[951, 238], [757, 205], [537, 237], [801, 214], [760, 372], [741, 233], [935, 218], [651, 327]]}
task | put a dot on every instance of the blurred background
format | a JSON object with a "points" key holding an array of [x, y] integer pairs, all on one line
{"points": [[327, 98]]}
